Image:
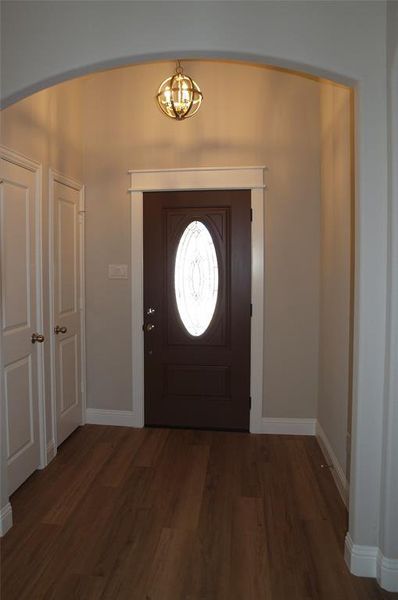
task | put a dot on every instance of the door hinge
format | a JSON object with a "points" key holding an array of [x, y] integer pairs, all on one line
{"points": [[251, 309], [251, 214], [250, 402]]}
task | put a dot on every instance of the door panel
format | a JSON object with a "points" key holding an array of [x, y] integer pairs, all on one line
{"points": [[69, 373], [67, 337], [197, 380], [16, 255], [18, 206], [67, 254], [19, 406]]}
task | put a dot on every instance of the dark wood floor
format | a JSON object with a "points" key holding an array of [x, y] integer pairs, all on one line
{"points": [[158, 514]]}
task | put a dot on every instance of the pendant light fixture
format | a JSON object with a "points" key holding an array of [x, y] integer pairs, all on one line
{"points": [[179, 97]]}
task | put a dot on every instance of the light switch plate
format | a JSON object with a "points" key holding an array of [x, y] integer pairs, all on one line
{"points": [[117, 271]]}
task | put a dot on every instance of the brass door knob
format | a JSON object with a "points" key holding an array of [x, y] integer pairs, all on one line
{"points": [[59, 329], [37, 337], [148, 327]]}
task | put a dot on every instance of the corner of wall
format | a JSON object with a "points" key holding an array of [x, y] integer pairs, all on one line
{"points": [[336, 469]]}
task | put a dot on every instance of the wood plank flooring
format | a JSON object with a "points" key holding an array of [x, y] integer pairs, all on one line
{"points": [[157, 514]]}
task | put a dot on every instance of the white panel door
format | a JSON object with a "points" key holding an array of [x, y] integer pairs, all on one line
{"points": [[66, 313], [19, 266]]}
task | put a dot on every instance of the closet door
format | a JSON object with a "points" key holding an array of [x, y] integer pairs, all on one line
{"points": [[67, 304], [20, 318]]}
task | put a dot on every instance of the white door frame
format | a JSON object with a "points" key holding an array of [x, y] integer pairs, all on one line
{"points": [[21, 160], [57, 177], [250, 178]]}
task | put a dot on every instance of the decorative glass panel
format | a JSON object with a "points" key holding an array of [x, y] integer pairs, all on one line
{"points": [[196, 278]]}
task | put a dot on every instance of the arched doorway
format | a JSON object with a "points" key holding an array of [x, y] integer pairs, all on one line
{"points": [[268, 34]]}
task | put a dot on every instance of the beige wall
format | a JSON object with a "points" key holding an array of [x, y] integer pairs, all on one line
{"points": [[250, 116], [47, 128], [96, 128], [336, 265]]}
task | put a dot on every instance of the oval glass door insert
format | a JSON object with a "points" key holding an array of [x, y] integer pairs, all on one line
{"points": [[196, 278]]}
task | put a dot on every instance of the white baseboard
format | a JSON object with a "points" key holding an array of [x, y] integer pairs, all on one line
{"points": [[123, 418], [127, 418], [330, 457], [368, 561], [51, 451], [387, 573], [5, 519], [361, 560], [285, 426]]}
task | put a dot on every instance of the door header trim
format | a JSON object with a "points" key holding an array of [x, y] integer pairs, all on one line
{"points": [[203, 178]]}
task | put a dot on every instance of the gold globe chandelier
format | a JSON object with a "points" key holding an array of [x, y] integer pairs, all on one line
{"points": [[179, 97]]}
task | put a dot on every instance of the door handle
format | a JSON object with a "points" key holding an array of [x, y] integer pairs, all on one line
{"points": [[148, 327], [37, 337], [59, 329]]}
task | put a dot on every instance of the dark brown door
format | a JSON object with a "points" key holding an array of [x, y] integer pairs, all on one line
{"points": [[197, 278]]}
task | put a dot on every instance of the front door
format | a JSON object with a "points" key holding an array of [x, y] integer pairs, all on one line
{"points": [[67, 307], [20, 338], [197, 291]]}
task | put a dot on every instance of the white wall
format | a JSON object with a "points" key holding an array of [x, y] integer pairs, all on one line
{"points": [[346, 40], [74, 37], [336, 270], [123, 128], [47, 128], [389, 509]]}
